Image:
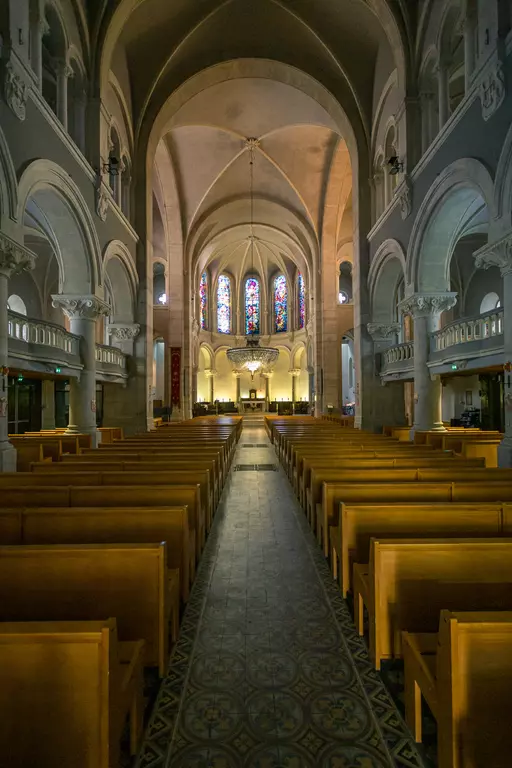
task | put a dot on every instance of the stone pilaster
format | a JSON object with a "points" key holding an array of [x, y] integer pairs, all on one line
{"points": [[388, 400], [237, 375], [14, 258], [82, 312], [499, 254], [426, 310]]}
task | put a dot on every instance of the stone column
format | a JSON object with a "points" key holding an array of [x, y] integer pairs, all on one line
{"points": [[38, 30], [14, 258], [426, 310], [469, 49], [499, 254], [294, 373], [388, 399], [48, 404], [64, 72], [237, 375], [444, 107], [267, 376], [80, 119], [210, 374], [82, 312]]}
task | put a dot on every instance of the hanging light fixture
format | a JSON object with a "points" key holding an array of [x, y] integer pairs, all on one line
{"points": [[252, 357]]}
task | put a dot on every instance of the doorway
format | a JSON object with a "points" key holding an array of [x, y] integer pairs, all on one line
{"points": [[24, 396], [491, 401]]}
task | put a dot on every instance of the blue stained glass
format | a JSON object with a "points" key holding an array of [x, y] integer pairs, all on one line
{"points": [[224, 304], [302, 301], [203, 301], [280, 304], [252, 306]]}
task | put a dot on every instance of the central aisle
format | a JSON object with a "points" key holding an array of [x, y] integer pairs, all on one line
{"points": [[268, 671]]}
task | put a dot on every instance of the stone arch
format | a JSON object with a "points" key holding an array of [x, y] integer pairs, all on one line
{"points": [[464, 184], [8, 186], [503, 188], [52, 190], [118, 266], [387, 268]]}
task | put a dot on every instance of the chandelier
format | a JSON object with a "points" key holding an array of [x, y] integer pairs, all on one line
{"points": [[252, 357]]}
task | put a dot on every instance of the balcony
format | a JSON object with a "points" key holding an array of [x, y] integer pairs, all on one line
{"points": [[471, 339], [35, 345], [471, 343], [398, 361]]}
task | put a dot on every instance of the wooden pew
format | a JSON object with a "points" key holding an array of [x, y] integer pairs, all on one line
{"points": [[111, 525], [464, 671], [107, 472], [27, 453], [423, 491], [86, 582], [150, 495], [409, 581], [350, 541], [65, 691]]}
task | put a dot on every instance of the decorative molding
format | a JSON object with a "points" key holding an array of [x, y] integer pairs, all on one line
{"points": [[14, 257], [492, 90], [124, 331], [15, 91], [88, 307], [422, 304], [252, 143], [405, 197], [102, 200], [381, 331], [498, 254]]}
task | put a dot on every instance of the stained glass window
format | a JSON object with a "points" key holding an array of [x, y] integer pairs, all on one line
{"points": [[252, 306], [224, 304], [203, 301], [301, 290], [280, 304]]}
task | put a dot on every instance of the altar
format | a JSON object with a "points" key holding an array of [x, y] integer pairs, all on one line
{"points": [[253, 404]]}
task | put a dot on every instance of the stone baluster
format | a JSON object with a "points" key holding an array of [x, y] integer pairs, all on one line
{"points": [[14, 258]]}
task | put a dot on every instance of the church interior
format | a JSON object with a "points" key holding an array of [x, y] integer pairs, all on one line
{"points": [[255, 383]]}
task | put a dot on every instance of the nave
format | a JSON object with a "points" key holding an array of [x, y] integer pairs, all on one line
{"points": [[268, 671]]}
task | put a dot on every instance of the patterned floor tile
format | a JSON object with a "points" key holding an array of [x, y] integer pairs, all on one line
{"points": [[268, 671]]}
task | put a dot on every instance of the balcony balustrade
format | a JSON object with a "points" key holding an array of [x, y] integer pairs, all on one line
{"points": [[469, 329]]}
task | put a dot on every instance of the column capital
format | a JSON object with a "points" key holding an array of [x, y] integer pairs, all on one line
{"points": [[210, 373], [63, 68], [382, 331], [294, 372], [267, 374], [14, 257], [124, 331], [498, 254], [237, 373], [87, 307], [424, 304]]}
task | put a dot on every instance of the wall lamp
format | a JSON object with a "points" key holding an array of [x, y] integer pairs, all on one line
{"points": [[395, 165]]}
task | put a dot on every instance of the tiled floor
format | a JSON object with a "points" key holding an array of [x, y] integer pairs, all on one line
{"points": [[268, 671]]}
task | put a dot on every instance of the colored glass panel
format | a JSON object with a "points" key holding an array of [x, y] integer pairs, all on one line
{"points": [[302, 301], [252, 306], [280, 304], [203, 301], [224, 305]]}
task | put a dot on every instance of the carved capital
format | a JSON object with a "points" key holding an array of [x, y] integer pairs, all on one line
{"points": [[124, 331], [423, 304], [497, 254], [88, 307], [492, 90], [237, 374], [14, 257], [294, 372], [15, 91], [210, 373], [381, 331]]}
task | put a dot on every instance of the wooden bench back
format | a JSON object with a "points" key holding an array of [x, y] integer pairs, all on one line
{"points": [[474, 680], [78, 582], [360, 522], [112, 525], [56, 674], [412, 580]]}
